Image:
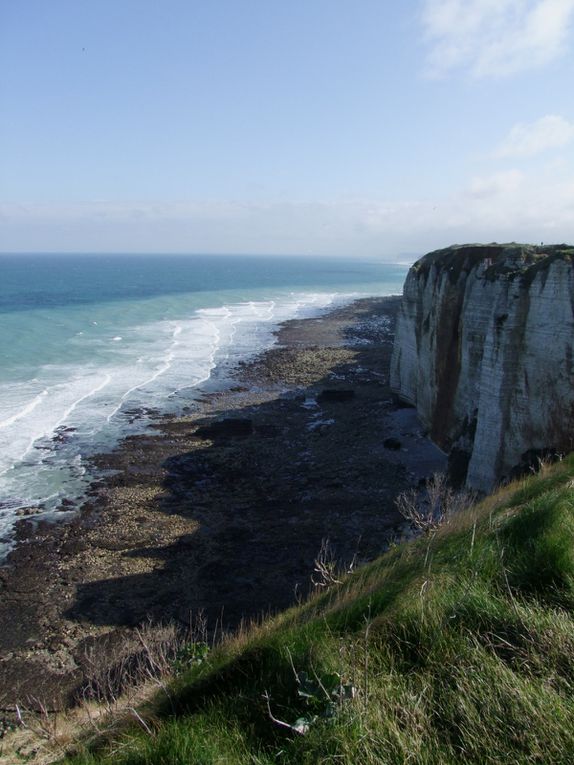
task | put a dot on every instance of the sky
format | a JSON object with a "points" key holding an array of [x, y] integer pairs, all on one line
{"points": [[364, 128]]}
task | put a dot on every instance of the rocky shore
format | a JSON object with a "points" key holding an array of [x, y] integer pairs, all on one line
{"points": [[222, 511]]}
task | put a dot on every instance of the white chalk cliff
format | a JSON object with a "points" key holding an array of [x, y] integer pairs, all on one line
{"points": [[484, 351]]}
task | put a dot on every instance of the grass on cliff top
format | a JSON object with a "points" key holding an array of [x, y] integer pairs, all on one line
{"points": [[531, 260], [453, 648]]}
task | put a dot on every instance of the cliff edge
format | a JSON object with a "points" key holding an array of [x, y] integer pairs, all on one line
{"points": [[484, 351]]}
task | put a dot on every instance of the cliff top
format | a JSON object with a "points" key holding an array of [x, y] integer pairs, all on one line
{"points": [[509, 260]]}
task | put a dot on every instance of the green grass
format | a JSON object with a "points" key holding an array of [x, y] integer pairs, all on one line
{"points": [[460, 647]]}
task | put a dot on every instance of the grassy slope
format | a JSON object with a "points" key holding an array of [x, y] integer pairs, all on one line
{"points": [[461, 647]]}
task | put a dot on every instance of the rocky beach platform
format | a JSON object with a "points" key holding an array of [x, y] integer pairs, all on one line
{"points": [[222, 511]]}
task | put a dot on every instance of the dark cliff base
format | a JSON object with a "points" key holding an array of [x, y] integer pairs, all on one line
{"points": [[225, 519]]}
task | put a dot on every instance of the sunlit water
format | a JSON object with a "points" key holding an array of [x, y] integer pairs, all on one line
{"points": [[91, 345]]}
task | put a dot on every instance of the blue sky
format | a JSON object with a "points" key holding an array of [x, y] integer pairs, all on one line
{"points": [[365, 128]]}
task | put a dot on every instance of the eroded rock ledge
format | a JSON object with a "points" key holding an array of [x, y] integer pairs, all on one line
{"points": [[483, 349]]}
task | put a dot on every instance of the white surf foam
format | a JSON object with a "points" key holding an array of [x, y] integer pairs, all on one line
{"points": [[48, 425], [27, 409]]}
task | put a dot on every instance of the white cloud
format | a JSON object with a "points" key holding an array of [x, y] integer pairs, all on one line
{"points": [[505, 182], [527, 139], [495, 37]]}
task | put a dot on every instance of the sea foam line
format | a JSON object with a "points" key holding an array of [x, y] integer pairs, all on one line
{"points": [[168, 359], [30, 406], [107, 379], [167, 364], [214, 348]]}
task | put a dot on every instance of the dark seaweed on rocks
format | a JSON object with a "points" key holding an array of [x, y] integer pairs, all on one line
{"points": [[229, 427]]}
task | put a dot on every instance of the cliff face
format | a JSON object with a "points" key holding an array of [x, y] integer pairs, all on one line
{"points": [[484, 350]]}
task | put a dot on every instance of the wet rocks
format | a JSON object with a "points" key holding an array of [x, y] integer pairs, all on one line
{"points": [[230, 427], [335, 395]]}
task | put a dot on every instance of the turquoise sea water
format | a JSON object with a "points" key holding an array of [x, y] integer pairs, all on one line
{"points": [[87, 342]]}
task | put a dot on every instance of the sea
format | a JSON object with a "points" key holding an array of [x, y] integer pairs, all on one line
{"points": [[93, 347]]}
